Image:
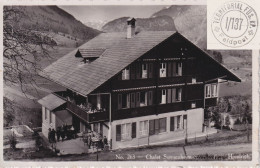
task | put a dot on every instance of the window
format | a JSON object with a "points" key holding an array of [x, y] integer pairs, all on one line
{"points": [[193, 80], [163, 70], [184, 122], [163, 96], [126, 100], [178, 94], [157, 126], [44, 112], [126, 130], [162, 122], [193, 105], [176, 122], [143, 99], [214, 90], [125, 74], [144, 70], [207, 91], [143, 128], [172, 124]]}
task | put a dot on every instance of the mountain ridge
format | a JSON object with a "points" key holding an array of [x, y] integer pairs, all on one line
{"points": [[54, 19]]}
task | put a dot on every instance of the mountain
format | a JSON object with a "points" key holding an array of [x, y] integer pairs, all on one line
{"points": [[159, 23], [96, 24], [54, 19], [190, 20]]}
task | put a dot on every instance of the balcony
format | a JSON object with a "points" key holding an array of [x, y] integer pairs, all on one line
{"points": [[85, 113], [156, 109], [88, 116]]}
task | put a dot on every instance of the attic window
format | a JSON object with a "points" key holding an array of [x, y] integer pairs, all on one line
{"points": [[89, 55]]}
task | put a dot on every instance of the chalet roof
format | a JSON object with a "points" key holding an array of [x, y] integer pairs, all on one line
{"points": [[51, 102], [114, 52], [72, 73], [91, 52]]}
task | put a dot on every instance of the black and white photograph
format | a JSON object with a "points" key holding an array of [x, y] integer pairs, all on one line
{"points": [[122, 83]]}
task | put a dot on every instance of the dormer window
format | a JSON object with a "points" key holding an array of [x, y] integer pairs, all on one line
{"points": [[126, 74], [144, 71], [89, 55], [162, 70]]}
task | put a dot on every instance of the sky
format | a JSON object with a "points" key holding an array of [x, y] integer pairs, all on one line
{"points": [[108, 13]]}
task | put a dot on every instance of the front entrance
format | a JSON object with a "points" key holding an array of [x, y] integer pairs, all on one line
{"points": [[76, 123]]}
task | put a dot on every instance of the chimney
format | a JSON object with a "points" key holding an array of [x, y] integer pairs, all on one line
{"points": [[130, 28]]}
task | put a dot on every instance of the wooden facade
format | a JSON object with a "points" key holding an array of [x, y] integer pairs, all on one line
{"points": [[185, 70]]}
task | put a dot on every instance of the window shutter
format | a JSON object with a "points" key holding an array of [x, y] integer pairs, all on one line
{"points": [[118, 132], [132, 100], [172, 126], [169, 69], [132, 71], [174, 68], [156, 126], [150, 98], [119, 101], [134, 130], [137, 99], [174, 95], [138, 70], [150, 72], [151, 127], [169, 95]]}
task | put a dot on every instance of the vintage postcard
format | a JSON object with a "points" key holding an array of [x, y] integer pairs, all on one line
{"points": [[128, 84]]}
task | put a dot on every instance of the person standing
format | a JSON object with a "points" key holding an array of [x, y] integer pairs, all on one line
{"points": [[49, 135], [58, 133], [62, 133], [53, 139], [105, 140], [89, 141]]}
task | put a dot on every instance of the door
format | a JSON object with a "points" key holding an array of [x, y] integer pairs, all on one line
{"points": [[163, 96], [163, 70], [76, 123]]}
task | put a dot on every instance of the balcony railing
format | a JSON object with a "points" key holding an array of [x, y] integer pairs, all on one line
{"points": [[156, 109], [88, 116], [83, 112]]}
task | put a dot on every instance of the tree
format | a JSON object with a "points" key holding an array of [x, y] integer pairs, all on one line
{"points": [[8, 112], [23, 48]]}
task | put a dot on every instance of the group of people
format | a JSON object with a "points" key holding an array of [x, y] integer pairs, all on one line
{"points": [[62, 132], [92, 140]]}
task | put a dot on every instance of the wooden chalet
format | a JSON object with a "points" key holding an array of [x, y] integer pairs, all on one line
{"points": [[134, 88]]}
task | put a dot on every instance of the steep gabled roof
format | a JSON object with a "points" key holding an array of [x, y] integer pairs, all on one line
{"points": [[72, 73], [114, 52]]}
